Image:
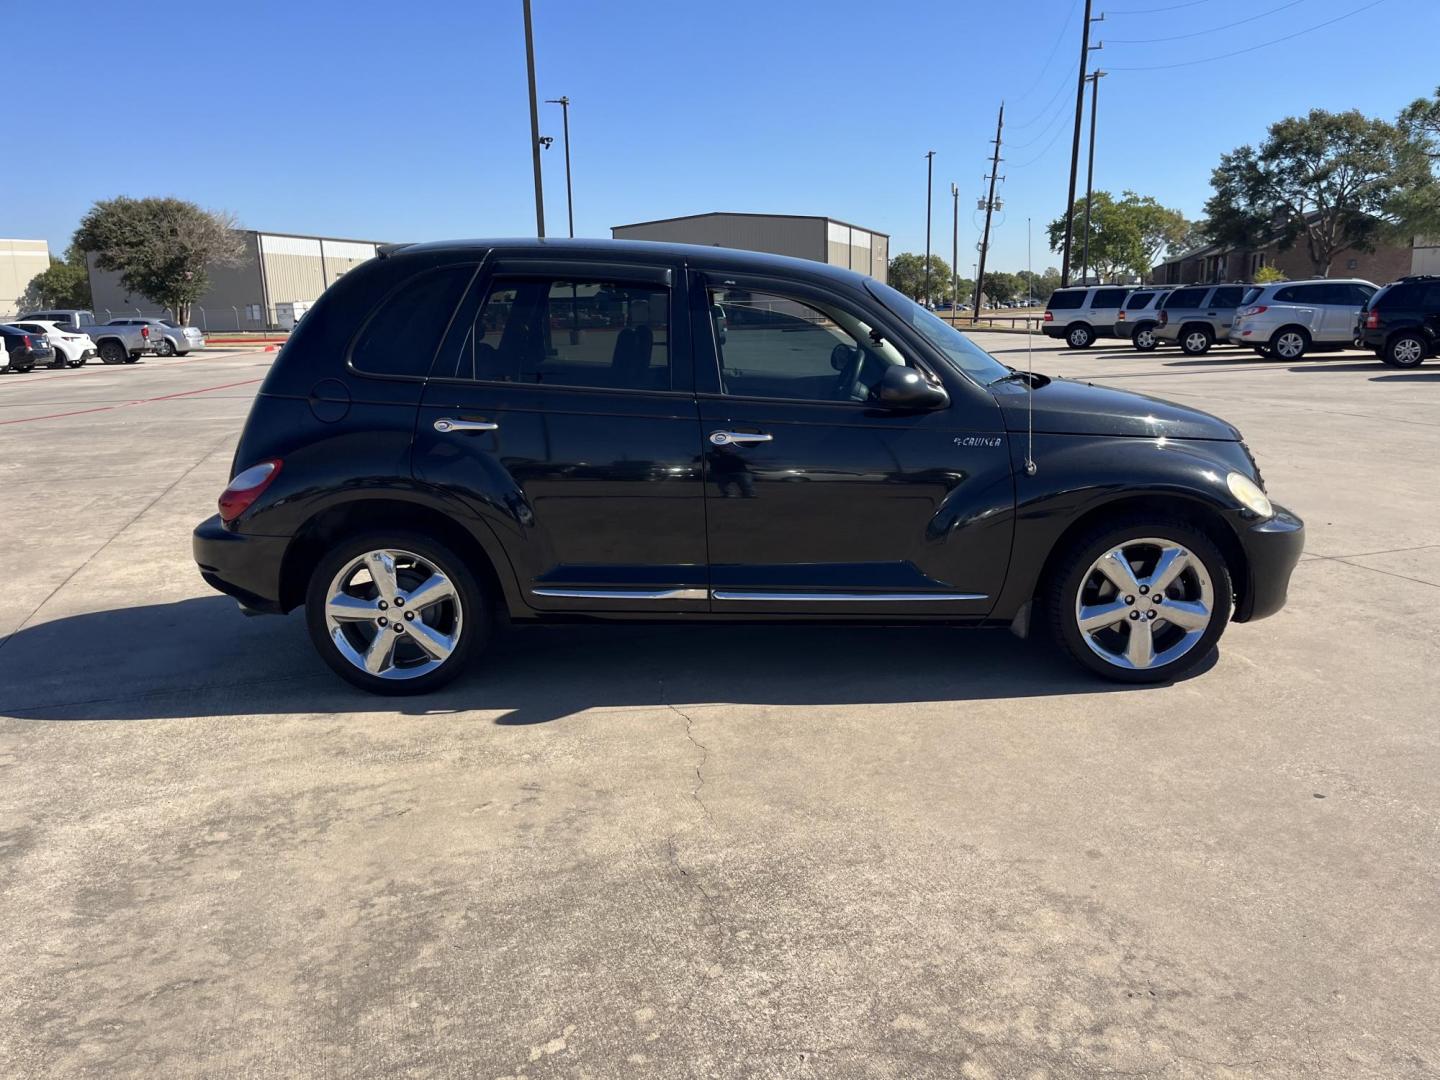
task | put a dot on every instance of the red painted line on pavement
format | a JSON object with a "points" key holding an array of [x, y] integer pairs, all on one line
{"points": [[127, 404]]}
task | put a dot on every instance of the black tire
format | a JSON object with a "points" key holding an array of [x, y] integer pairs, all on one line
{"points": [[164, 348], [1073, 572], [59, 363], [132, 358], [1079, 336], [476, 612], [1196, 340], [113, 352], [1144, 338], [1290, 343], [1406, 350]]}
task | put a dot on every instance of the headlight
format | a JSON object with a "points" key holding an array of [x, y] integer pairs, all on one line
{"points": [[1249, 494]]}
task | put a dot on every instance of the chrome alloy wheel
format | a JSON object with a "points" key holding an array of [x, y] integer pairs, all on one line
{"points": [[1407, 352], [1145, 339], [393, 614], [1289, 345], [1196, 342], [1144, 603]]}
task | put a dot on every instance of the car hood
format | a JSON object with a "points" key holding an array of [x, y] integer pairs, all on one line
{"points": [[1067, 407]]}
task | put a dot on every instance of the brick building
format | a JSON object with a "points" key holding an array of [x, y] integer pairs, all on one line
{"points": [[1223, 262]]}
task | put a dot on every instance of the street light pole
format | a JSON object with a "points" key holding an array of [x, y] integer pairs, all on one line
{"points": [[564, 103], [929, 189], [534, 125], [1090, 173], [954, 250]]}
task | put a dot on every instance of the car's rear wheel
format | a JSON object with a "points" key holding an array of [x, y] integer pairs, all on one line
{"points": [[1405, 351], [1289, 343], [1144, 338], [396, 613], [164, 348], [1196, 340], [113, 352], [1141, 601], [1079, 336]]}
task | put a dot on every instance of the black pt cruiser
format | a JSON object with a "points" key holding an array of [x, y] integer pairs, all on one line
{"points": [[566, 430]]}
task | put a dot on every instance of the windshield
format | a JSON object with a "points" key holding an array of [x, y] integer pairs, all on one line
{"points": [[958, 349]]}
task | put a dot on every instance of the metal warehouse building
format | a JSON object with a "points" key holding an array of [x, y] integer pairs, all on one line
{"points": [[279, 270], [822, 239], [20, 261]]}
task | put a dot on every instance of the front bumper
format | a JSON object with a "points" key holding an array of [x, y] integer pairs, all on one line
{"points": [[245, 567], [1272, 548]]}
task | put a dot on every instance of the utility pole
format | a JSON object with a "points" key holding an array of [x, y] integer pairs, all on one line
{"points": [[564, 103], [954, 251], [535, 124], [990, 206], [1075, 143], [1090, 173], [929, 189]]}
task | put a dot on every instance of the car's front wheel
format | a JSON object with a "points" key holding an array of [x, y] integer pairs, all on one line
{"points": [[396, 612], [1405, 351], [1141, 601]]}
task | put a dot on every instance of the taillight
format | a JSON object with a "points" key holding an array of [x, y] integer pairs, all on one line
{"points": [[26, 342], [1049, 316], [1164, 317], [246, 488], [145, 332], [1372, 320], [1260, 310], [1120, 317]]}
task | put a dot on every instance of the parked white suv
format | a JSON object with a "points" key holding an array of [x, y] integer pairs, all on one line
{"points": [[1287, 319], [1082, 313]]}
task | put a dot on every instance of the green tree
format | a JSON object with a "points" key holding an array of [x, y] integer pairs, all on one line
{"points": [[907, 274], [1039, 286], [1001, 286], [1162, 230], [161, 247], [66, 284], [1117, 244], [1328, 180], [1421, 122]]}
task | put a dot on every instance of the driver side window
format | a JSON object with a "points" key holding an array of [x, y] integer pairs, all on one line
{"points": [[774, 346]]}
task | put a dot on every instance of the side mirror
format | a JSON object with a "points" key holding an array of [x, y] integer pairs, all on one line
{"points": [[906, 388]]}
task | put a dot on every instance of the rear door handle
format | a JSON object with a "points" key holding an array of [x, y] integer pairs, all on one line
{"points": [[725, 438], [445, 424]]}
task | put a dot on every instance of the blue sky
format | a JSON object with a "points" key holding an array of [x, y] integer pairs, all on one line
{"points": [[409, 121]]}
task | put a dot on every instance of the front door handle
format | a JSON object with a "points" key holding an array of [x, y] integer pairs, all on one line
{"points": [[445, 424], [725, 438]]}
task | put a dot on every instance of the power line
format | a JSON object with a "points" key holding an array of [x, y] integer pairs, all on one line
{"points": [[1254, 48], [1054, 116], [1156, 10], [1043, 152], [1059, 37], [1202, 33], [1064, 83]]}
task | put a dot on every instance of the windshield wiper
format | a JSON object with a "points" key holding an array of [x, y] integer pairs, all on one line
{"points": [[1016, 375]]}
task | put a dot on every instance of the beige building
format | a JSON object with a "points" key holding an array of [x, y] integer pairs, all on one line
{"points": [[20, 261], [819, 238], [278, 269]]}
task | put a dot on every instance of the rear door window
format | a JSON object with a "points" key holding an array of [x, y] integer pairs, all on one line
{"points": [[1066, 300], [401, 337], [1303, 294], [1185, 298]]}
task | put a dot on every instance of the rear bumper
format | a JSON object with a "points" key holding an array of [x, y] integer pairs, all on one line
{"points": [[1272, 548], [245, 567], [1051, 329]]}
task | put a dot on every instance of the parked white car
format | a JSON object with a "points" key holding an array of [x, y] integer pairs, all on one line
{"points": [[1287, 319], [71, 349]]}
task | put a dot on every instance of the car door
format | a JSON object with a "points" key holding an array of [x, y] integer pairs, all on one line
{"points": [[1343, 301], [1105, 305], [1220, 307], [818, 498], [560, 407]]}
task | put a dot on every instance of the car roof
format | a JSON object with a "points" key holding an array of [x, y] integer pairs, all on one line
{"points": [[721, 258]]}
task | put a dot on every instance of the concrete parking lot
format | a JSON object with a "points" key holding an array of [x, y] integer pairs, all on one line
{"points": [[622, 851]]}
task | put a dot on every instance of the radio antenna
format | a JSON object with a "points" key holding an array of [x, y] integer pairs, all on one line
{"points": [[1029, 363]]}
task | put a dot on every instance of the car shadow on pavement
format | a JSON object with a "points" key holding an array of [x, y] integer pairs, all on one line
{"points": [[200, 657], [1430, 375]]}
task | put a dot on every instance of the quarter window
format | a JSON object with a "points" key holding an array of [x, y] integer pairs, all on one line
{"points": [[1185, 298], [778, 347], [1108, 298], [563, 332], [1065, 300], [1138, 300], [402, 336], [1227, 296]]}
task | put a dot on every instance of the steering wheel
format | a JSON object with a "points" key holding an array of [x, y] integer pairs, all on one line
{"points": [[848, 386]]}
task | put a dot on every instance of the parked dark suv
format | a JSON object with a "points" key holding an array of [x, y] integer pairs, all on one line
{"points": [[1401, 322], [553, 430], [23, 349]]}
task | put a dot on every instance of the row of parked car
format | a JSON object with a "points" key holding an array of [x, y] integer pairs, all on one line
{"points": [[70, 337], [1400, 322]]}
